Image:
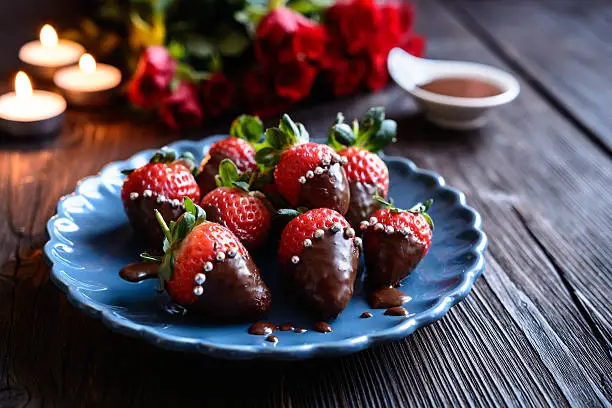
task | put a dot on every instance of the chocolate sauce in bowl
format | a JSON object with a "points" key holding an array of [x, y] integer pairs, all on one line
{"points": [[262, 328], [139, 271], [461, 87], [385, 298]]}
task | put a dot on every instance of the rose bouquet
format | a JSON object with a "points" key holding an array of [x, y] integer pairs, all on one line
{"points": [[203, 58]]}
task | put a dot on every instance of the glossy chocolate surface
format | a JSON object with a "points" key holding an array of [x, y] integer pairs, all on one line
{"points": [[385, 298], [139, 271], [322, 327], [329, 189], [366, 315], [362, 202], [262, 328], [209, 168], [286, 327], [396, 311], [141, 213]]}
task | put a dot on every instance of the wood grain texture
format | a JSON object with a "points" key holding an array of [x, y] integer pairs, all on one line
{"points": [[532, 332]]}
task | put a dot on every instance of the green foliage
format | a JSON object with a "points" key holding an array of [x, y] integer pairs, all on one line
{"points": [[247, 127], [373, 133]]}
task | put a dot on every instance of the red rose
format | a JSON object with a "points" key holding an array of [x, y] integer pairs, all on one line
{"points": [[345, 74], [413, 44], [284, 35], [294, 80], [181, 109], [390, 30], [260, 96], [150, 82], [377, 76], [217, 94], [354, 22]]}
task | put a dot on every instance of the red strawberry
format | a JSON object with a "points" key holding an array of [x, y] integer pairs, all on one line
{"points": [[244, 213], [319, 254], [244, 132], [306, 174], [394, 242], [207, 270], [160, 185], [366, 172]]}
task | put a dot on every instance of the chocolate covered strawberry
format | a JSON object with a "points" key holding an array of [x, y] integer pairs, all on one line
{"points": [[306, 174], [365, 170], [318, 255], [246, 214], [207, 270], [160, 185], [394, 242], [245, 132]]}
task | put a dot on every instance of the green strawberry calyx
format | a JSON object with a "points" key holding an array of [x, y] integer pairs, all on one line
{"points": [[229, 176], [418, 208], [278, 139], [247, 127], [168, 156], [372, 133], [174, 234]]}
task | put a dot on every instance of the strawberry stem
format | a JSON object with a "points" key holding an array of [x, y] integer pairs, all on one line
{"points": [[151, 258], [164, 226]]}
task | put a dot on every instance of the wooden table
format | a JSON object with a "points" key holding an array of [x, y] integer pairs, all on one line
{"points": [[534, 331]]}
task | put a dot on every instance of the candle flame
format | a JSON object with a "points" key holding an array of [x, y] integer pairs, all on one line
{"points": [[48, 36], [87, 63], [23, 86]]}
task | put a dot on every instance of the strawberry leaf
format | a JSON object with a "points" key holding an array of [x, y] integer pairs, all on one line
{"points": [[249, 128], [288, 127], [268, 156], [342, 134], [385, 135], [228, 173], [241, 185]]}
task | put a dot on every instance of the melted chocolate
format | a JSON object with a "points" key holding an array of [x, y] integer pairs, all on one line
{"points": [[272, 339], [327, 190], [461, 87], [286, 327], [325, 275], [262, 328], [209, 168], [301, 330], [139, 271], [389, 258], [322, 327], [366, 315], [385, 298], [234, 290], [141, 213], [362, 203], [396, 311]]}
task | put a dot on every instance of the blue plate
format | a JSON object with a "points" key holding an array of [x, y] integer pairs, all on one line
{"points": [[90, 240]]}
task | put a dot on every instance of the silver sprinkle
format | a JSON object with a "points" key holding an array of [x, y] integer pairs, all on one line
{"points": [[343, 160], [325, 160], [160, 199], [133, 196], [319, 170], [302, 180], [208, 266], [147, 193], [405, 231], [337, 157], [389, 230], [309, 174], [232, 252], [175, 203], [373, 220], [295, 259], [349, 232], [379, 227], [412, 239], [318, 234], [307, 243], [358, 242], [200, 278], [336, 227], [198, 290], [220, 256]]}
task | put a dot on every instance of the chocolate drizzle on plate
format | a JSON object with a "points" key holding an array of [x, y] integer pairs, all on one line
{"points": [[139, 271], [396, 311], [322, 327], [286, 327], [262, 328], [366, 315], [385, 298], [272, 339], [300, 330]]}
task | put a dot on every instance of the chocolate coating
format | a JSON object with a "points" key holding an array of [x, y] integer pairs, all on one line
{"points": [[362, 203], [385, 298], [262, 328], [322, 327], [139, 271], [209, 168], [396, 311], [366, 315], [327, 190], [300, 330], [234, 290], [141, 213], [388, 258], [325, 275], [286, 327]]}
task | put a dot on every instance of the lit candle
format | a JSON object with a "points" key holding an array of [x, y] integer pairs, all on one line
{"points": [[89, 83], [28, 112], [44, 56]]}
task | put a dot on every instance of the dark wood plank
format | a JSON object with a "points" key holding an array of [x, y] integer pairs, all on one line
{"points": [[562, 46]]}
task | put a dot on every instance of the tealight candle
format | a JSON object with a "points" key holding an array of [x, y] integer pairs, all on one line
{"points": [[89, 83], [45, 56], [28, 112]]}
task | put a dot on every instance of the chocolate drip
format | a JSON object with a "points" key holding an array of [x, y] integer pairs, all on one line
{"points": [[385, 298], [396, 311], [262, 328], [362, 203], [209, 168], [272, 339], [286, 327], [327, 190], [366, 315], [141, 213], [139, 271], [234, 290], [300, 330], [325, 274], [322, 327]]}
